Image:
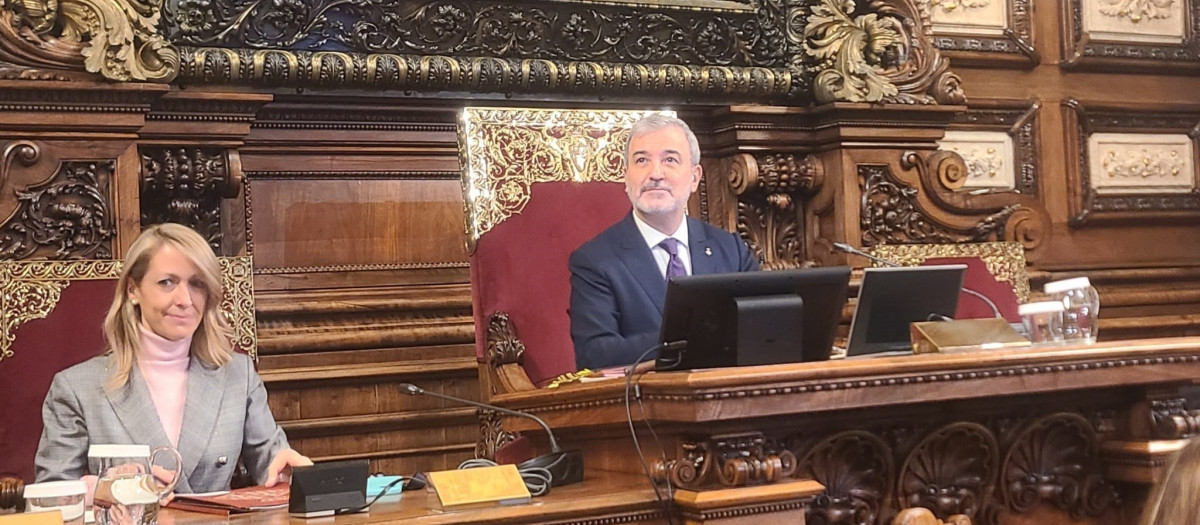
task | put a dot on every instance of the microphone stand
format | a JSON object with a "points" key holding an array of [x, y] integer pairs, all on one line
{"points": [[565, 467]]}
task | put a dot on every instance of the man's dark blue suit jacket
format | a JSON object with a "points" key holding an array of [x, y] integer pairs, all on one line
{"points": [[617, 291]]}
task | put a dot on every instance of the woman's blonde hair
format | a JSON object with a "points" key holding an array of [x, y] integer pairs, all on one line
{"points": [[212, 342], [1176, 499]]}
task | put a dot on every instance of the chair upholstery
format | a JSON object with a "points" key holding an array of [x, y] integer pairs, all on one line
{"points": [[537, 183], [51, 314], [994, 269]]}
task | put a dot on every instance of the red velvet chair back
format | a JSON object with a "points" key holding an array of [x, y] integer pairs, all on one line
{"points": [[51, 314], [536, 184], [994, 269]]}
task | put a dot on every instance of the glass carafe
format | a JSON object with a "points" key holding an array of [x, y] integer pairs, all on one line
{"points": [[131, 482]]}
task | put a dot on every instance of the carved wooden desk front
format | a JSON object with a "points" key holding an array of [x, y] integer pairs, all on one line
{"points": [[1050, 435]]}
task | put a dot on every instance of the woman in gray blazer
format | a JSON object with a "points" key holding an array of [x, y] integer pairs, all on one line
{"points": [[168, 377]]}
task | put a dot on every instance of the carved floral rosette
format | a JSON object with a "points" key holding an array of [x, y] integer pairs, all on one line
{"points": [[504, 152]]}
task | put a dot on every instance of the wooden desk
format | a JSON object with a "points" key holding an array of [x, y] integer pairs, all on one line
{"points": [[1048, 435], [601, 498], [620, 498]]}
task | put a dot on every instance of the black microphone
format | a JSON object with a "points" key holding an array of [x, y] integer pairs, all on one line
{"points": [[840, 246], [565, 467]]}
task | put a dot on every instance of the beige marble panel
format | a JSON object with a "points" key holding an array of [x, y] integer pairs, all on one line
{"points": [[969, 17], [1122, 163], [989, 156], [1135, 21]]}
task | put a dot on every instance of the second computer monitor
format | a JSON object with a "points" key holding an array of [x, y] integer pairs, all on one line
{"points": [[752, 318], [892, 298]]}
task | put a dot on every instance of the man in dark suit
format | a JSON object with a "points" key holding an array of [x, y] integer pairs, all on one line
{"points": [[619, 279]]}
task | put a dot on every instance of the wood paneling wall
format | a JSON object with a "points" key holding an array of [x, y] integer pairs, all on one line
{"points": [[349, 200]]}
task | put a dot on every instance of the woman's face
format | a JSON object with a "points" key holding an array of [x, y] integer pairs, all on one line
{"points": [[171, 295]]}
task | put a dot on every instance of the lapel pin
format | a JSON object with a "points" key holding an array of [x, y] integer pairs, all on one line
{"points": [[708, 251], [222, 460]]}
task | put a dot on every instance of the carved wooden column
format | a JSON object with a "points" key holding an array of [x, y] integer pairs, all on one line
{"points": [[191, 170]]}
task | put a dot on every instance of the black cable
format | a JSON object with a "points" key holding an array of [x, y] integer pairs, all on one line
{"points": [[662, 450], [386, 488], [629, 373]]}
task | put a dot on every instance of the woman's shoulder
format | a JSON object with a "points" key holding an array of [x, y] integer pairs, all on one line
{"points": [[96, 366], [88, 374]]}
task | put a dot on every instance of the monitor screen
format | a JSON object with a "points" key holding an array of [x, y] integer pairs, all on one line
{"points": [[892, 298], [752, 318]]}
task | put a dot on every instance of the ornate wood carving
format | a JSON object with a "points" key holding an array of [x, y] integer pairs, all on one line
{"points": [[492, 435], [751, 33], [1171, 419], [953, 471], [857, 470], [885, 54], [891, 214], [1055, 460], [68, 216], [504, 347], [505, 355], [1088, 206], [769, 187], [185, 184], [118, 40], [475, 74], [734, 460]]}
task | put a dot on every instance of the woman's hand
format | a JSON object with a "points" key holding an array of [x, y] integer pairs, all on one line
{"points": [[280, 468]]}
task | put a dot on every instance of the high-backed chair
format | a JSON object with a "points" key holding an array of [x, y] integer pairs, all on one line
{"points": [[994, 269], [51, 313], [537, 183]]}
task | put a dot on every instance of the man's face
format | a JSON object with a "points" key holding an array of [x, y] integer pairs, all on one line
{"points": [[659, 176]]}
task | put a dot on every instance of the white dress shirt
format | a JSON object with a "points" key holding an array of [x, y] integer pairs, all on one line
{"points": [[662, 257]]}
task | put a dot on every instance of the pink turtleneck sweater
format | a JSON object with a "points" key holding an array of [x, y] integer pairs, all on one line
{"points": [[164, 365]]}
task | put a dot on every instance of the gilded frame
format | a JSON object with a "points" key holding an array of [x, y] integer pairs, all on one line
{"points": [[539, 145], [1005, 260]]}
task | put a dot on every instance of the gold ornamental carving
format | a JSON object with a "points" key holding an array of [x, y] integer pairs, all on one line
{"points": [[1005, 260], [118, 40], [504, 152], [237, 277], [948, 6], [30, 290], [849, 51]]}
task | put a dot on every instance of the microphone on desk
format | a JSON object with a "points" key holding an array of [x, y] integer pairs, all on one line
{"points": [[565, 466], [841, 246]]}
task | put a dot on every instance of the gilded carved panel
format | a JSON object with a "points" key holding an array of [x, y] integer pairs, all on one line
{"points": [[30, 290], [504, 152]]}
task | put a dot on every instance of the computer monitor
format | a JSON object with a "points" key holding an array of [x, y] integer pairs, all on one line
{"points": [[752, 318], [892, 298]]}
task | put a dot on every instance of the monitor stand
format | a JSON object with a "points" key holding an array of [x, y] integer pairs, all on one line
{"points": [[770, 329]]}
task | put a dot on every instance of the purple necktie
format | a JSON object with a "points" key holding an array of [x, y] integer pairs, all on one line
{"points": [[675, 265]]}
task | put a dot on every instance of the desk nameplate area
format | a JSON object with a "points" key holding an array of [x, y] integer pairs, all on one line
{"points": [[1015, 431]]}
